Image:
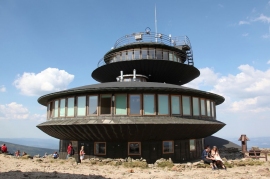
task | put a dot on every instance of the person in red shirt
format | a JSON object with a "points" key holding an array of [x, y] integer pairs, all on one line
{"points": [[69, 150], [4, 148]]}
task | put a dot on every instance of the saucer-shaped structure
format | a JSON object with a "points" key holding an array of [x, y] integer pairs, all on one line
{"points": [[139, 109]]}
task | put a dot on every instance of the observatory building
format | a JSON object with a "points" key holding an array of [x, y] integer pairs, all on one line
{"points": [[139, 108]]}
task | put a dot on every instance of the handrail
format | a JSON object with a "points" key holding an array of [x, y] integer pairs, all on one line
{"points": [[152, 37], [144, 37]]}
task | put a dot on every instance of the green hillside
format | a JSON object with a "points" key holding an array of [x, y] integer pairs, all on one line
{"points": [[12, 148]]}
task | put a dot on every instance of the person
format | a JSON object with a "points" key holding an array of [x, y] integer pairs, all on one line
{"points": [[82, 153], [17, 153], [24, 153], [217, 159], [69, 150], [4, 148], [55, 155], [206, 157]]}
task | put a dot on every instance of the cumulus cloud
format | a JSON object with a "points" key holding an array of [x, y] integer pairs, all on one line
{"points": [[243, 22], [15, 111], [246, 93], [47, 81], [2, 88]]}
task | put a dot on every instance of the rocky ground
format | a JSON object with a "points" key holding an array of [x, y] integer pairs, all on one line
{"points": [[12, 168]]}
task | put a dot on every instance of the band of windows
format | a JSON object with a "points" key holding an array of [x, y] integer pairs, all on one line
{"points": [[134, 148], [132, 105], [145, 53]]}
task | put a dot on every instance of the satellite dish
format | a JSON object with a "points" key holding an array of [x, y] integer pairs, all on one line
{"points": [[147, 30]]}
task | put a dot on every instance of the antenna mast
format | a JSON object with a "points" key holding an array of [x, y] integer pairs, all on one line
{"points": [[156, 23]]}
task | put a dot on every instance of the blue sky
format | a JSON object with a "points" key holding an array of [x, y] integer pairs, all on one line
{"points": [[47, 46]]}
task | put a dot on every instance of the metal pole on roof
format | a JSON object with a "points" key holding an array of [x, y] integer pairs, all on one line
{"points": [[156, 23]]}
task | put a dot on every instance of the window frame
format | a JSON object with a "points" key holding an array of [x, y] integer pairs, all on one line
{"points": [[163, 147], [57, 108], [194, 145], [126, 104], [60, 107], [99, 105], [95, 152], [180, 104], [205, 112], [155, 105], [139, 148], [73, 107], [169, 105], [141, 104], [77, 100], [190, 106], [88, 105], [199, 107]]}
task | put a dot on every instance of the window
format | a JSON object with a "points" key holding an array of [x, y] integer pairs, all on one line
{"points": [[202, 107], [168, 147], [149, 104], [134, 148], [62, 107], [213, 108], [163, 104], [186, 105], [48, 110], [134, 104], [123, 57], [144, 53], [159, 54], [93, 104], [105, 104], [192, 144], [195, 102], [136, 54], [170, 56], [175, 105], [165, 55], [152, 54], [129, 55], [208, 108], [81, 106], [56, 108], [70, 107], [121, 104], [100, 148]]}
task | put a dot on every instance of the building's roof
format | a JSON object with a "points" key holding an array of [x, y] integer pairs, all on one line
{"points": [[113, 87], [156, 70], [104, 128]]}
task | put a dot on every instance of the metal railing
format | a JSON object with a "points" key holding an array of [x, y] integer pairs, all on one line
{"points": [[154, 38], [147, 37]]}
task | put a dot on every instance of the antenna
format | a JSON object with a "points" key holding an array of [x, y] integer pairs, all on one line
{"points": [[156, 23]]}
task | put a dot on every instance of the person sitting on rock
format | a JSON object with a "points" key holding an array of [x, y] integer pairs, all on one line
{"points": [[217, 159], [4, 148], [207, 158], [17, 153], [55, 155], [24, 153]]}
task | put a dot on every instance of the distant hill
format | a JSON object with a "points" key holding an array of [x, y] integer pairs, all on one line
{"points": [[50, 143], [29, 150]]}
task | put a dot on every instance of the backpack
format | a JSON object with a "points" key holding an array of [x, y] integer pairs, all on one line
{"points": [[72, 151]]}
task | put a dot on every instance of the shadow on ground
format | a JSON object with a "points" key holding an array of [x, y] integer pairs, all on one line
{"points": [[44, 175]]}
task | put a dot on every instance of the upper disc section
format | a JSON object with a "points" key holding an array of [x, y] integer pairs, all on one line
{"points": [[159, 57]]}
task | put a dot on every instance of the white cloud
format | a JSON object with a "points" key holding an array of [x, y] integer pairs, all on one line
{"points": [[15, 111], [266, 36], [243, 22], [48, 80], [263, 18], [207, 78], [246, 93], [2, 88], [245, 34], [221, 5]]}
